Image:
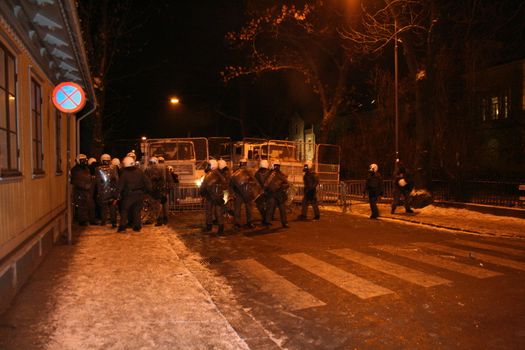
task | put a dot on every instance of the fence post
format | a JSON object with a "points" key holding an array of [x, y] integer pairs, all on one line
{"points": [[343, 192]]}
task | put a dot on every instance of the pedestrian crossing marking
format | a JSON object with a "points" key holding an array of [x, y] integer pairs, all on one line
{"points": [[356, 285], [292, 297], [464, 253], [489, 247], [401, 272], [438, 261]]}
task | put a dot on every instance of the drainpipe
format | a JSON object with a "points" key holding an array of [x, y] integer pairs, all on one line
{"points": [[87, 114]]}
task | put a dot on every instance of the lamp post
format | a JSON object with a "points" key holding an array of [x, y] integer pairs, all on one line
{"points": [[174, 100], [395, 92]]}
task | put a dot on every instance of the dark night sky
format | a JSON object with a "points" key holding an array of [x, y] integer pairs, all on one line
{"points": [[183, 55]]}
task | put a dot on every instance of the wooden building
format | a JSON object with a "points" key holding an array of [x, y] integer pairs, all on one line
{"points": [[40, 46]]}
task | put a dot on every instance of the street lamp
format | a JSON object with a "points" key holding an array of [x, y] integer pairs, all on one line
{"points": [[395, 90], [174, 101]]}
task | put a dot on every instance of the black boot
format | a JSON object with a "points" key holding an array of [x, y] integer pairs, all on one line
{"points": [[121, 228], [220, 231], [207, 228]]}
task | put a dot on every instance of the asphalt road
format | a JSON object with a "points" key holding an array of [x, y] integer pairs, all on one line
{"points": [[347, 282]]}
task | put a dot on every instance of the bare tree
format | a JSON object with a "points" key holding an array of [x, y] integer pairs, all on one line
{"points": [[107, 26], [303, 39]]}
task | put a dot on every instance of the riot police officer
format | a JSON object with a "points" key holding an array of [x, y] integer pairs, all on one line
{"points": [[403, 185], [83, 191], [374, 188], [241, 184], [261, 202], [132, 187], [157, 176], [275, 187], [106, 180], [168, 187], [311, 181], [212, 189]]}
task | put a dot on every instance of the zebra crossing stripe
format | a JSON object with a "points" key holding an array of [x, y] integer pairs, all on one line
{"points": [[401, 272], [489, 247], [465, 253], [356, 285], [292, 297], [438, 261]]}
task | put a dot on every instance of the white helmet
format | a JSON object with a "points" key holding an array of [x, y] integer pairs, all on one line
{"points": [[309, 164], [154, 160], [105, 158], [115, 162], [91, 161], [81, 157], [170, 168], [276, 164], [213, 164], [263, 164], [161, 159], [128, 162], [373, 167], [222, 164], [132, 155]]}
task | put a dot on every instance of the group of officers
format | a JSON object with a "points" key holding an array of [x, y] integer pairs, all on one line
{"points": [[100, 190], [267, 188]]}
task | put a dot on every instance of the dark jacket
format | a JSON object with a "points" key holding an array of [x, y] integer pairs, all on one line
{"points": [[213, 186], [157, 176], [81, 177], [133, 182], [106, 179], [261, 175], [374, 185]]}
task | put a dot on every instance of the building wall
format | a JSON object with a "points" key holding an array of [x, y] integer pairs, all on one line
{"points": [[32, 207]]}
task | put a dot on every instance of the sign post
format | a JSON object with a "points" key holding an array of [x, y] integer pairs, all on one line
{"points": [[69, 98]]}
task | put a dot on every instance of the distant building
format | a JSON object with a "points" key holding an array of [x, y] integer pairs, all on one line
{"points": [[306, 137], [501, 120], [40, 46]]}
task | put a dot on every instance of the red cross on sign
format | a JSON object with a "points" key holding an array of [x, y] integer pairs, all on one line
{"points": [[69, 97]]}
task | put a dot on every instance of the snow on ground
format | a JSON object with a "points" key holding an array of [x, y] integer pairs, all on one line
{"points": [[451, 218], [118, 295]]}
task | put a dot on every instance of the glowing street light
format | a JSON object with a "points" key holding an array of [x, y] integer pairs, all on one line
{"points": [[174, 101]]}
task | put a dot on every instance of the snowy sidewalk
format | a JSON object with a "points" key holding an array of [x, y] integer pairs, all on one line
{"points": [[131, 291], [449, 218]]}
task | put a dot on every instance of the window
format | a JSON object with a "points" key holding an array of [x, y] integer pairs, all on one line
{"points": [[36, 121], [58, 141], [506, 106], [8, 117], [494, 111], [484, 108]]}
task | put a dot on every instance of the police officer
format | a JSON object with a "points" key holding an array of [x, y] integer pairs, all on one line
{"points": [[402, 187], [311, 181], [374, 188], [261, 202], [239, 187], [276, 186], [106, 180], [168, 187], [158, 183], [226, 172], [132, 187], [212, 189], [83, 191]]}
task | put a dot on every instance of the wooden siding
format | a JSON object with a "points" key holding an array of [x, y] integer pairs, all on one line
{"points": [[27, 203]]}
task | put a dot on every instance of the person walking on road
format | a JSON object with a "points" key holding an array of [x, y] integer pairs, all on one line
{"points": [[402, 187], [132, 187], [276, 186], [374, 188], [311, 181]]}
